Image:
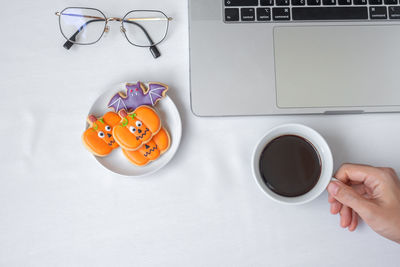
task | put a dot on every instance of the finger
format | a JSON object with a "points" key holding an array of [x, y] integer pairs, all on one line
{"points": [[367, 196], [349, 197], [345, 216], [359, 188], [331, 199], [336, 207], [354, 221], [356, 173], [363, 191]]}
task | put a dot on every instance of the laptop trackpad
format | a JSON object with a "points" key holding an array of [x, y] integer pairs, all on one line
{"points": [[337, 66]]}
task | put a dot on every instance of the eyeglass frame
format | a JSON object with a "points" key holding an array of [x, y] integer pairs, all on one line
{"points": [[153, 47]]}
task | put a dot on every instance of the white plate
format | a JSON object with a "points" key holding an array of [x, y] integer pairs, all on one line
{"points": [[116, 161]]}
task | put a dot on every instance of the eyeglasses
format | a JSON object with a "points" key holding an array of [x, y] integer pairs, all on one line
{"points": [[85, 26]]}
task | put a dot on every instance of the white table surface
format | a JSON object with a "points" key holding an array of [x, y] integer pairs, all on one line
{"points": [[59, 207]]}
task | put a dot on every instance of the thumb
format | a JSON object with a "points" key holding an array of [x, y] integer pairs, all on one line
{"points": [[347, 196]]}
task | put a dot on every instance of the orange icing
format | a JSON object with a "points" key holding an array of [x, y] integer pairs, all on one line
{"points": [[151, 150], [162, 140], [136, 128], [98, 138]]}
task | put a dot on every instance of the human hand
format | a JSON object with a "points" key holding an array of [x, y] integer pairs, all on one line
{"points": [[372, 193]]}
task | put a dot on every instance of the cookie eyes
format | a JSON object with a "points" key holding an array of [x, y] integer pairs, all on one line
{"points": [[101, 134], [132, 129], [108, 128]]}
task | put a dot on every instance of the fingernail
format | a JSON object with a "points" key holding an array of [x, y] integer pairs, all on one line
{"points": [[333, 188]]}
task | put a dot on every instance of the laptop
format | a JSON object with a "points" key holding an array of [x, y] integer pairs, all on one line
{"points": [[266, 57]]}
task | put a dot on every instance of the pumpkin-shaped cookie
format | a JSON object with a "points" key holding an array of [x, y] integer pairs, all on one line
{"points": [[136, 128], [149, 151], [98, 138]]}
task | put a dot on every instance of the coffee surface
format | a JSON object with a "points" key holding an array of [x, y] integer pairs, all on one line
{"points": [[290, 166]]}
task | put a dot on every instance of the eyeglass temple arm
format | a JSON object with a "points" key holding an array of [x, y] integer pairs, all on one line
{"points": [[69, 43], [153, 48]]}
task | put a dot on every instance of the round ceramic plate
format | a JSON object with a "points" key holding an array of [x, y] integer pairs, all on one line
{"points": [[116, 161]]}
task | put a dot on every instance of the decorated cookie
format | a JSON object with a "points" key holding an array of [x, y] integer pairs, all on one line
{"points": [[136, 128], [98, 138], [137, 95], [151, 150]]}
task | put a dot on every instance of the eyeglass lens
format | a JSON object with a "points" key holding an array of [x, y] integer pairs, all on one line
{"points": [[82, 25], [145, 28]]}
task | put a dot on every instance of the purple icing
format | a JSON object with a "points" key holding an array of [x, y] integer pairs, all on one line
{"points": [[136, 96]]}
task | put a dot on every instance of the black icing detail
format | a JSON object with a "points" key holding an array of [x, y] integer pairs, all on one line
{"points": [[143, 134], [151, 150], [109, 135], [111, 143]]}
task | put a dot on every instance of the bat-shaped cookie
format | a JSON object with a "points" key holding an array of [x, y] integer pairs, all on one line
{"points": [[137, 95]]}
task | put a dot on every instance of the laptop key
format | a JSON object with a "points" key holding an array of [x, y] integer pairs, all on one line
{"points": [[298, 2], [267, 2], [231, 14], [282, 2], [375, 2], [314, 2], [329, 2], [344, 2], [394, 12], [329, 13], [248, 14], [360, 2], [377, 12], [263, 14], [390, 2], [241, 2], [279, 13]]}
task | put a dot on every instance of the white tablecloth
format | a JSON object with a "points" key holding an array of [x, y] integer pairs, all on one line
{"points": [[59, 207]]}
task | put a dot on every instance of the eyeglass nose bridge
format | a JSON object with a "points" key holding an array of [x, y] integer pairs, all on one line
{"points": [[113, 19], [107, 28]]}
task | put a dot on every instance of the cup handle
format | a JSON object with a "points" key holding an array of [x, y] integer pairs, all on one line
{"points": [[333, 179]]}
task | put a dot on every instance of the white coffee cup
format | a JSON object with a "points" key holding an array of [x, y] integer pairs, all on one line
{"points": [[319, 144]]}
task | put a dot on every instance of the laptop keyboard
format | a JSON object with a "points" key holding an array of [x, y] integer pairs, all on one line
{"points": [[310, 10]]}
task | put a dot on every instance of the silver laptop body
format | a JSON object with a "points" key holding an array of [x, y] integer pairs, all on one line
{"points": [[268, 59]]}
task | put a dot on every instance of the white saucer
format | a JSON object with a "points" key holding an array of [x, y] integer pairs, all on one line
{"points": [[116, 161]]}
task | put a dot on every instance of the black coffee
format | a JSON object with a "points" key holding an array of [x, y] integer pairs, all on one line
{"points": [[290, 166]]}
